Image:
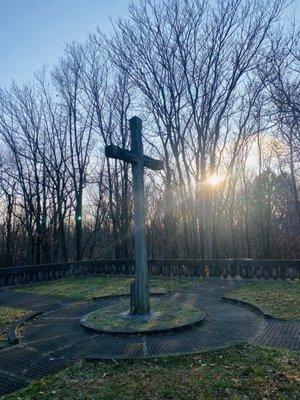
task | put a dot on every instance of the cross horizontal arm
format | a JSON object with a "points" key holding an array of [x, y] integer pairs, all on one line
{"points": [[151, 163], [118, 153]]}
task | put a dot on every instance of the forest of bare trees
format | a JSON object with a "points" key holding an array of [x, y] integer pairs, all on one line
{"points": [[217, 85]]}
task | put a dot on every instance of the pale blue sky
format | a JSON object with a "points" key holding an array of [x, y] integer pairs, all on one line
{"points": [[34, 32]]}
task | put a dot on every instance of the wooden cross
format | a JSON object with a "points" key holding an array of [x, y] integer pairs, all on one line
{"points": [[138, 160]]}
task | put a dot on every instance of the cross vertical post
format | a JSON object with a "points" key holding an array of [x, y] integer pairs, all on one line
{"points": [[141, 287]]}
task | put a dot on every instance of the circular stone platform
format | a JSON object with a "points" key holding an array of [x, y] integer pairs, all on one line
{"points": [[166, 316], [59, 333], [56, 339]]}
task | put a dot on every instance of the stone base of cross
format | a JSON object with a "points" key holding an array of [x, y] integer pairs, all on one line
{"points": [[140, 303]]}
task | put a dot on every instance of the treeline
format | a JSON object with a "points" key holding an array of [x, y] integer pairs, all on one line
{"points": [[217, 86]]}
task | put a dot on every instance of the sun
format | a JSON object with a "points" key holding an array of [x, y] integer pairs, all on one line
{"points": [[215, 179]]}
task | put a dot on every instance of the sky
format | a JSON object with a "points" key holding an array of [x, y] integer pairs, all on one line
{"points": [[33, 33]]}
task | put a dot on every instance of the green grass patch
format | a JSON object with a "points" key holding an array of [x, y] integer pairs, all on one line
{"points": [[7, 316], [238, 373], [278, 298], [85, 288], [166, 315]]}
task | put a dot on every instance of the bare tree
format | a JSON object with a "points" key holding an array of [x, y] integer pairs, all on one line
{"points": [[69, 82]]}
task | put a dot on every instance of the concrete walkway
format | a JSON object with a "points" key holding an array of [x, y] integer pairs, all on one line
{"points": [[55, 340]]}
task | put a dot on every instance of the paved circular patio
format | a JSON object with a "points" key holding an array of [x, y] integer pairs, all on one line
{"points": [[56, 339]]}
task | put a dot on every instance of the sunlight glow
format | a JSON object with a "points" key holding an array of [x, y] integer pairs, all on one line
{"points": [[215, 179]]}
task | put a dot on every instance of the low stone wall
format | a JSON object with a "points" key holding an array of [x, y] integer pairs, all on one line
{"points": [[245, 268]]}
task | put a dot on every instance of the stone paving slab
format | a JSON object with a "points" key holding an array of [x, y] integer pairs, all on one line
{"points": [[280, 334], [55, 340]]}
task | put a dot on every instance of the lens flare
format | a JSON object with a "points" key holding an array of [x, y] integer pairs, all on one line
{"points": [[215, 179]]}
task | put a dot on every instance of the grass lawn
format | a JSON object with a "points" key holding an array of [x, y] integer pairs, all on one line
{"points": [[86, 288], [7, 316], [241, 372], [279, 298]]}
